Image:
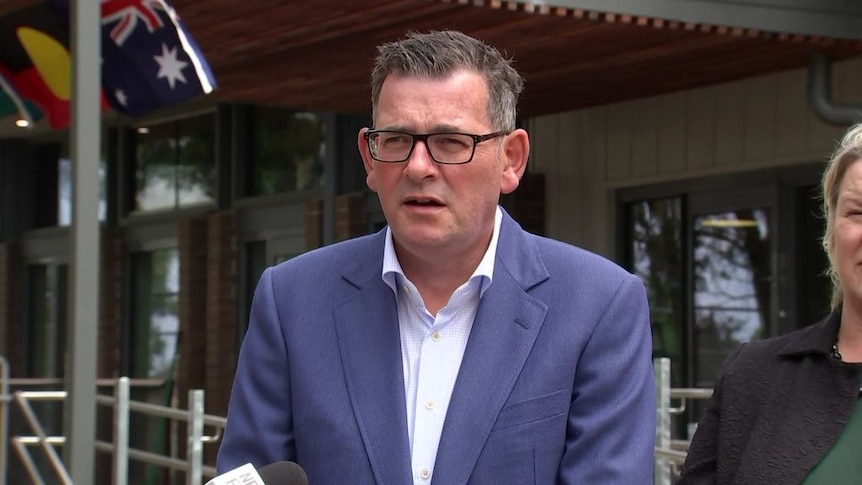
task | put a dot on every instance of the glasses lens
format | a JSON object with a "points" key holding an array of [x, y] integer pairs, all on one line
{"points": [[451, 147], [390, 146]]}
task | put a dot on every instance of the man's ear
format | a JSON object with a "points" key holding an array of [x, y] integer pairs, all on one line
{"points": [[516, 150], [367, 161]]}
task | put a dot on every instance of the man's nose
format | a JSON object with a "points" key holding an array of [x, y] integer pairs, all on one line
{"points": [[420, 164]]}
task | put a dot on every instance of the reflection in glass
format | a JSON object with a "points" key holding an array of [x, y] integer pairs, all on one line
{"points": [[655, 245], [286, 151], [732, 281], [175, 164], [64, 211], [196, 168], [155, 175], [156, 322], [154, 339]]}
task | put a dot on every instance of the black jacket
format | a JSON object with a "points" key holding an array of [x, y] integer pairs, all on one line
{"points": [[779, 406]]}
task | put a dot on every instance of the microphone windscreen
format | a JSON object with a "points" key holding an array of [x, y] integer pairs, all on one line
{"points": [[283, 473]]}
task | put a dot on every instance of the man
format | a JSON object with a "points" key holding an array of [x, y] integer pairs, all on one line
{"points": [[451, 347]]}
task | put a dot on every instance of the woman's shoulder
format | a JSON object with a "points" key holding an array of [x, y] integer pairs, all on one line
{"points": [[762, 356]]}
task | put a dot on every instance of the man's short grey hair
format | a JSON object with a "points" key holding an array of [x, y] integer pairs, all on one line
{"points": [[439, 54]]}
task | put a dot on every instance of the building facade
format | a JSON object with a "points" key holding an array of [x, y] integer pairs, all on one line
{"points": [[708, 192]]}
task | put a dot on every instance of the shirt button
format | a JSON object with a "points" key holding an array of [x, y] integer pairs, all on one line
{"points": [[435, 336], [429, 405], [425, 474]]}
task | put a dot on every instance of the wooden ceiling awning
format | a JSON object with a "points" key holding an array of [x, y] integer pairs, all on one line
{"points": [[318, 55]]}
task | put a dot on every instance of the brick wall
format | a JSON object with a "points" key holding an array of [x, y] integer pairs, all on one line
{"points": [[112, 256], [313, 223], [193, 244], [111, 302], [351, 219], [221, 310]]}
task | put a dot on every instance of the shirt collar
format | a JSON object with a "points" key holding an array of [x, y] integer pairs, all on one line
{"points": [[485, 270]]}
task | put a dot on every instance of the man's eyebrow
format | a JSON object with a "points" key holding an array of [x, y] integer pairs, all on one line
{"points": [[435, 129]]}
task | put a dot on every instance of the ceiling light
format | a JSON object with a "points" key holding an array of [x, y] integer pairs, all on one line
{"points": [[22, 123], [729, 223], [143, 130]]}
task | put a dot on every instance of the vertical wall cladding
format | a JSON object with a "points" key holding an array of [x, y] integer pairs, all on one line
{"points": [[351, 219], [221, 328], [740, 126], [11, 324], [527, 204]]}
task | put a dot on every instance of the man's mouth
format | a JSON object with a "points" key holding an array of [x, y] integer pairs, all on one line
{"points": [[423, 202]]}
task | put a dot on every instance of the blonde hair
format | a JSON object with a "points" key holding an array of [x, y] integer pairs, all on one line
{"points": [[848, 152]]}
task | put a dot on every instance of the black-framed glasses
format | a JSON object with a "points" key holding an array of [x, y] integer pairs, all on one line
{"points": [[447, 148]]}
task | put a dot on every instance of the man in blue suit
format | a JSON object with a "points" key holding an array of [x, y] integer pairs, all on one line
{"points": [[452, 346]]}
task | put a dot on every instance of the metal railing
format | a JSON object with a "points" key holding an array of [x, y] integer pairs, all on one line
{"points": [[194, 418], [670, 453]]}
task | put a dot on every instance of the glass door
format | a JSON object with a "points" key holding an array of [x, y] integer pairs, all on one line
{"points": [[732, 273]]}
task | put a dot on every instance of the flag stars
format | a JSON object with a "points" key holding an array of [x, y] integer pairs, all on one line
{"points": [[121, 97], [170, 67]]}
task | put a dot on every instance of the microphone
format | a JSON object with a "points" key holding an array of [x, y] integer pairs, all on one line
{"points": [[278, 473]]}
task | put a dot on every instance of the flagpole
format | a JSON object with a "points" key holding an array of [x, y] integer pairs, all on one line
{"points": [[80, 410]]}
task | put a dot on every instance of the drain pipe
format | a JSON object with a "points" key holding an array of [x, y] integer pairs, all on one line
{"points": [[820, 94]]}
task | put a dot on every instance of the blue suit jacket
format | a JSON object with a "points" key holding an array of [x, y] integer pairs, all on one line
{"points": [[556, 384]]}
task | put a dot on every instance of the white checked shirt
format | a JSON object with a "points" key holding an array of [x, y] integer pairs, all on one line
{"points": [[432, 350]]}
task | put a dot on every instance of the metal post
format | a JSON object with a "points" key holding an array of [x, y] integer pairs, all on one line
{"points": [[194, 447], [661, 368], [121, 431], [80, 417]]}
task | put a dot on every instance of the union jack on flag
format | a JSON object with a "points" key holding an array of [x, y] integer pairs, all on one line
{"points": [[149, 60], [125, 14]]}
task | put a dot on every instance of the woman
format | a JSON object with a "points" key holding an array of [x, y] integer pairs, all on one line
{"points": [[788, 409]]}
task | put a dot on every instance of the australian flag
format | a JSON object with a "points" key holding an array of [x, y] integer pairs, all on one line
{"points": [[149, 60]]}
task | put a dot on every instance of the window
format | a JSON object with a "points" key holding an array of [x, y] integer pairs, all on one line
{"points": [[286, 152], [52, 166], [732, 284], [655, 250], [175, 164], [155, 315], [64, 208]]}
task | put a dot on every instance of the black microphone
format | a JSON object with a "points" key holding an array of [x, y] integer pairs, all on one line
{"points": [[283, 473], [278, 473]]}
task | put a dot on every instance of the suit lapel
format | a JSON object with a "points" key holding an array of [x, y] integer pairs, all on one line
{"points": [[503, 334], [370, 347]]}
